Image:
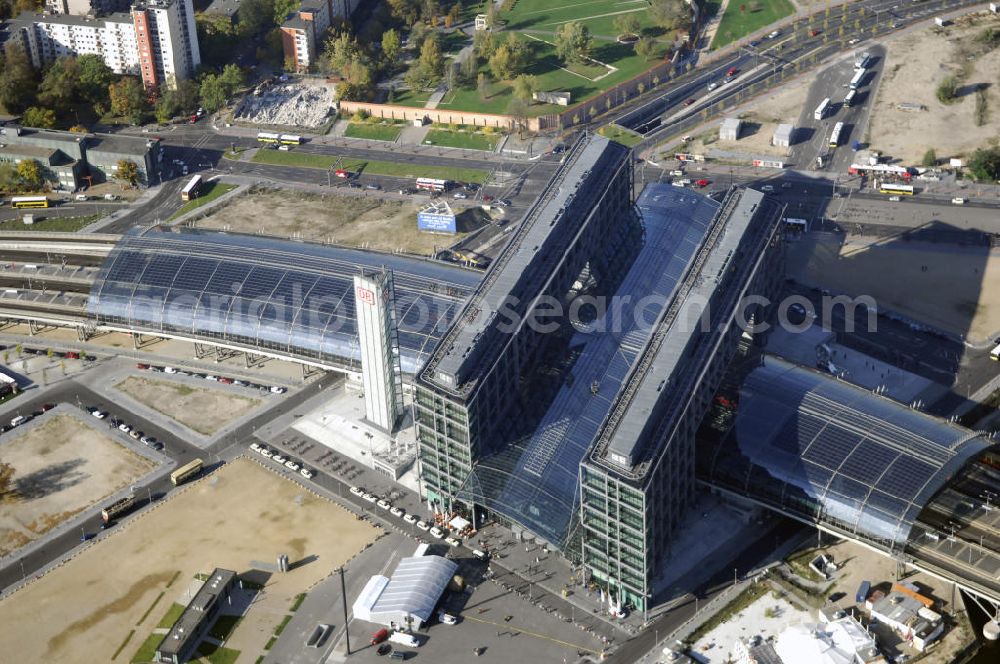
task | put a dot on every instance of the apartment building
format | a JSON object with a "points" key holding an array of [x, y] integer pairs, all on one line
{"points": [[157, 40]]}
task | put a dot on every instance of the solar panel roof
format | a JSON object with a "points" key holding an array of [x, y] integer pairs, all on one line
{"points": [[292, 298], [818, 446]]}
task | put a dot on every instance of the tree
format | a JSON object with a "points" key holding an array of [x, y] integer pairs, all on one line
{"points": [[213, 92], [431, 59], [187, 95], [573, 42], [510, 58], [128, 172], [30, 173], [78, 129], [627, 25], [256, 16], [166, 106], [282, 8], [947, 90], [930, 158], [482, 86], [58, 89], [670, 14], [484, 43], [524, 87], [9, 179], [646, 48], [128, 99], [232, 78], [469, 69], [518, 109], [95, 77], [407, 11], [390, 46], [8, 492], [341, 50], [43, 118], [216, 34], [18, 80], [985, 164], [359, 82]]}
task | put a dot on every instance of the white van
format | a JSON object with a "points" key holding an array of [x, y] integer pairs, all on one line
{"points": [[404, 639], [767, 188], [19, 420], [110, 197], [81, 197], [958, 201]]}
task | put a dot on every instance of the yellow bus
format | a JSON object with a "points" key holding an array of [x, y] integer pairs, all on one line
{"points": [[29, 202], [896, 189], [186, 472]]}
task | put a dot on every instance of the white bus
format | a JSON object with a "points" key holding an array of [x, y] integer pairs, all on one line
{"points": [[835, 136], [859, 76], [796, 224], [849, 99], [896, 189], [822, 109], [430, 184], [995, 354], [29, 202], [290, 139], [191, 189], [268, 137]]}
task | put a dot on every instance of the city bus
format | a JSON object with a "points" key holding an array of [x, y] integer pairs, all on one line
{"points": [[995, 354], [896, 189], [849, 99], [835, 136], [186, 472], [268, 137], [290, 139], [822, 109], [191, 189], [29, 202], [859, 76], [430, 184], [796, 224]]}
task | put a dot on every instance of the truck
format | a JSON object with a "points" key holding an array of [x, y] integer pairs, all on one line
{"points": [[862, 60], [862, 593], [404, 639], [117, 508]]}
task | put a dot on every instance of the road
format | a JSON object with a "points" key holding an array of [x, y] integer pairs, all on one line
{"points": [[177, 449]]}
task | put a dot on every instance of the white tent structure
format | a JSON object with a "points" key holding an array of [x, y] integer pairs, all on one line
{"points": [[408, 597]]}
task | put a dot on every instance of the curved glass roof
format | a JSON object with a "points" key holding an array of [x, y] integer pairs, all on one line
{"points": [[535, 482], [822, 449], [290, 298]]}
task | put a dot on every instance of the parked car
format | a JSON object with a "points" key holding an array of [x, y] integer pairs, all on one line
{"points": [[409, 518], [384, 504], [447, 618], [306, 473], [422, 526], [702, 183], [689, 102], [396, 511], [357, 491]]}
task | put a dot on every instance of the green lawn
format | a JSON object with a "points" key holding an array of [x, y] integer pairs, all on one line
{"points": [[462, 139], [415, 98], [281, 626], [598, 15], [217, 654], [621, 135], [397, 169], [736, 24], [51, 224], [147, 651], [173, 613], [209, 192], [373, 132]]}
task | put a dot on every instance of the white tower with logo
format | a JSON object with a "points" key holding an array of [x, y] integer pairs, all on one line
{"points": [[374, 299]]}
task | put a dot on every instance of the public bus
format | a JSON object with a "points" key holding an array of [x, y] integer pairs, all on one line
{"points": [[835, 136], [896, 189], [186, 472], [822, 109], [191, 189], [430, 184], [849, 99], [268, 137], [995, 354], [796, 224], [859, 76], [29, 202], [290, 139]]}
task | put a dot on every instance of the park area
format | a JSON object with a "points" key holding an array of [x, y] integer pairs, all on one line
{"points": [[743, 17], [60, 466], [105, 603], [201, 409], [369, 166], [209, 192], [369, 221]]}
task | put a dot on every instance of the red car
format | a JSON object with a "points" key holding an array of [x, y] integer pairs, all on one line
{"points": [[341, 173], [380, 636], [702, 183], [689, 102], [814, 33], [142, 366], [732, 71]]}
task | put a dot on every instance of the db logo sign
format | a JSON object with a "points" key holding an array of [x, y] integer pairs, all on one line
{"points": [[366, 296]]}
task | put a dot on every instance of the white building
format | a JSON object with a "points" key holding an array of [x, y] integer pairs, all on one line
{"points": [[783, 135], [157, 40], [407, 599], [730, 129], [842, 641]]}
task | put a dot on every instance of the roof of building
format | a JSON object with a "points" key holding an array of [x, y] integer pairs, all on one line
{"points": [[118, 144], [226, 7], [177, 638], [784, 131], [28, 18], [662, 378], [512, 281], [731, 123], [901, 606], [290, 298], [40, 153], [535, 482], [296, 22], [413, 589], [825, 450], [842, 641]]}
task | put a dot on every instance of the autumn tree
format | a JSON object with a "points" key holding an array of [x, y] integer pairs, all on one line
{"points": [[525, 87], [573, 42], [18, 80], [127, 172], [627, 25], [646, 48], [8, 492], [30, 173], [128, 99], [40, 117], [391, 45], [670, 14], [510, 58]]}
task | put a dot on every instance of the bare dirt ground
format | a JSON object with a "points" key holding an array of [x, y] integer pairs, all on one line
{"points": [[200, 409], [84, 610], [61, 466], [916, 64], [955, 283], [358, 221]]}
